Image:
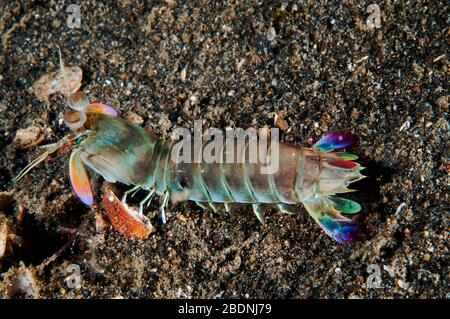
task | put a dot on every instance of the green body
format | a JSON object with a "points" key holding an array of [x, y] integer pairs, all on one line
{"points": [[129, 154]]}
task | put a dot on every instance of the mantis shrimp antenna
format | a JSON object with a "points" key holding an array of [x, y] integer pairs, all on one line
{"points": [[63, 71], [51, 148]]}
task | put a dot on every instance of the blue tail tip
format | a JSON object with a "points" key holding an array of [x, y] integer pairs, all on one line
{"points": [[335, 140], [340, 232]]}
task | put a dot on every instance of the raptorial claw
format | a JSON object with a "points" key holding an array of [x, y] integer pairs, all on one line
{"points": [[79, 179], [125, 219], [102, 108]]}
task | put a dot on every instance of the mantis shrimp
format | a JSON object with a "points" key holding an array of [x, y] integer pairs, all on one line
{"points": [[129, 154]]}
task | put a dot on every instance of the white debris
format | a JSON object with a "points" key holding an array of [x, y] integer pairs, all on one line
{"points": [[240, 64], [3, 239], [399, 208], [271, 34], [405, 126], [183, 75], [439, 58], [24, 283], [28, 137], [364, 58], [374, 19], [58, 82]]}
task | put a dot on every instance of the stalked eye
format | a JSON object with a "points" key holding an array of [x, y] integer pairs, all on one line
{"points": [[78, 101], [74, 119]]}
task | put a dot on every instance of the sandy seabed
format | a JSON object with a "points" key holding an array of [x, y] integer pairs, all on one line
{"points": [[307, 67]]}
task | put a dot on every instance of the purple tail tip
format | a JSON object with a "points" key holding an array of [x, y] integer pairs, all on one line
{"points": [[335, 140], [342, 233]]}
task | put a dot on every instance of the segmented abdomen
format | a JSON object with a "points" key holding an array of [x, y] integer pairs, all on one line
{"points": [[229, 182], [301, 173]]}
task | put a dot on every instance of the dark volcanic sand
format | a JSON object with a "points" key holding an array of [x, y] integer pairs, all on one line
{"points": [[320, 68]]}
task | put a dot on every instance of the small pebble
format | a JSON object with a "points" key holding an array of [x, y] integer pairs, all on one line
{"points": [[374, 19], [407, 232], [282, 124], [134, 118], [183, 75], [28, 137], [271, 34], [3, 239], [54, 82]]}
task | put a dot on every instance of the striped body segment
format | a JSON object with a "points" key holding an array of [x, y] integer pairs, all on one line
{"points": [[239, 182]]}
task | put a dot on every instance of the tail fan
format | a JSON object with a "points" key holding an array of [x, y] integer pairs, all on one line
{"points": [[326, 211], [335, 140], [338, 170]]}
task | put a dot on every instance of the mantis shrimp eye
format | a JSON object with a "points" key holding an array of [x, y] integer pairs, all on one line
{"points": [[78, 101], [74, 119]]}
